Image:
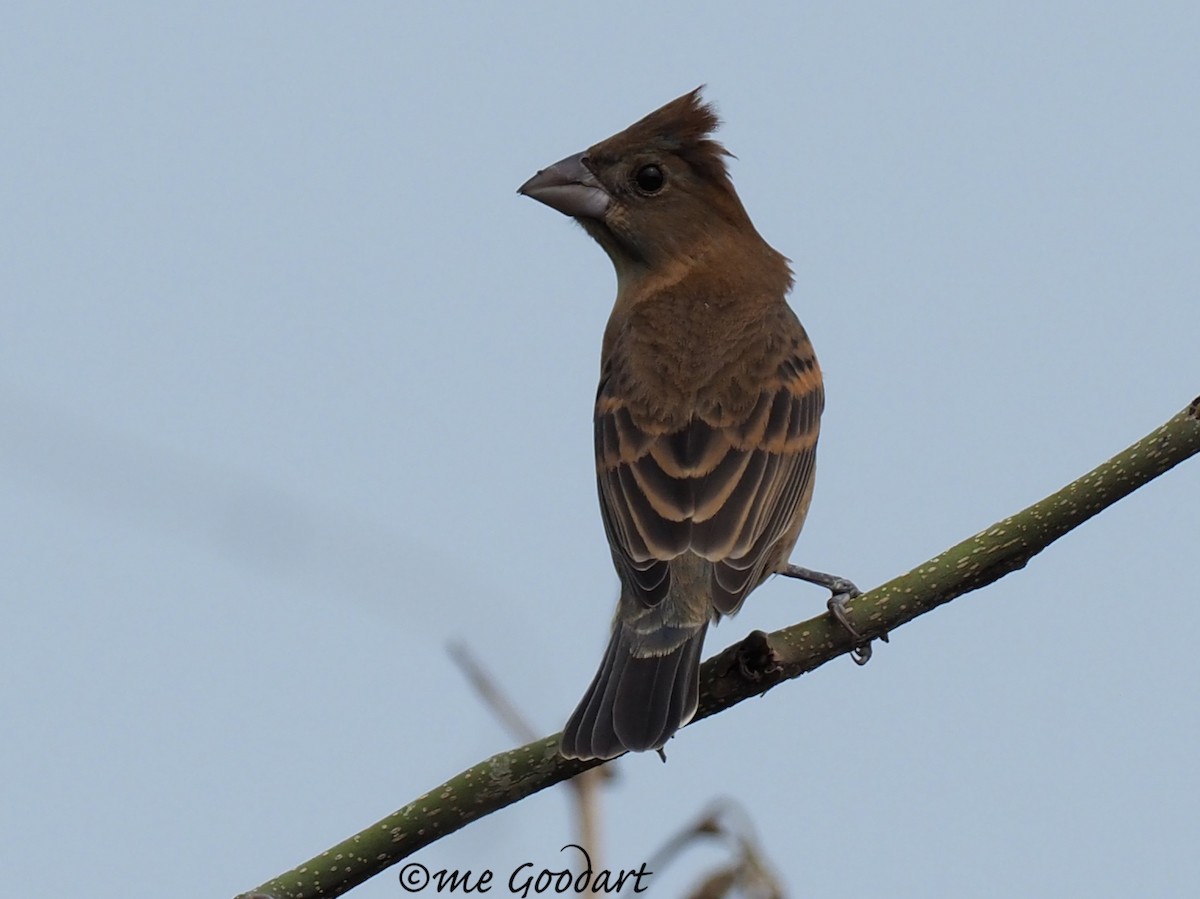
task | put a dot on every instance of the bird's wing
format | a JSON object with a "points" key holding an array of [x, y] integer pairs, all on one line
{"points": [[728, 492]]}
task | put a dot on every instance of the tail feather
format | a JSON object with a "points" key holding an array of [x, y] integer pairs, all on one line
{"points": [[635, 702]]}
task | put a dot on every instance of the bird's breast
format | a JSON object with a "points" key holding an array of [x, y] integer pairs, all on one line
{"points": [[677, 362]]}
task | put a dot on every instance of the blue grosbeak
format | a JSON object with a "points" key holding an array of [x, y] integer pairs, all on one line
{"points": [[706, 416]]}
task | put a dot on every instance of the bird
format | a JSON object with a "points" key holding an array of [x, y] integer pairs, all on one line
{"points": [[706, 416]]}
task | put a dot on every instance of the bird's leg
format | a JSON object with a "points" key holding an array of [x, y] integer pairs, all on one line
{"points": [[843, 591]]}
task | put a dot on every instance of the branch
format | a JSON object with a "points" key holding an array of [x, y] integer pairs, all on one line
{"points": [[754, 665]]}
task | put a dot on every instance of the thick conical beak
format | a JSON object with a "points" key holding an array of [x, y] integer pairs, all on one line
{"points": [[570, 187]]}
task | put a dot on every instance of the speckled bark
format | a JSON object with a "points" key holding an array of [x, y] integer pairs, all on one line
{"points": [[754, 665]]}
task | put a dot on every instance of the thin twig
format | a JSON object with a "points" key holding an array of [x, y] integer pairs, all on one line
{"points": [[495, 698], [586, 787]]}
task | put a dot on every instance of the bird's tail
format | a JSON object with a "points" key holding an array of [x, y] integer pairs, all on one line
{"points": [[640, 696]]}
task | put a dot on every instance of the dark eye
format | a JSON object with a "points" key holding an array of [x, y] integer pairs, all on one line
{"points": [[649, 179]]}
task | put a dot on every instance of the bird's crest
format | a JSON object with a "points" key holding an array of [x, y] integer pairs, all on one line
{"points": [[683, 127]]}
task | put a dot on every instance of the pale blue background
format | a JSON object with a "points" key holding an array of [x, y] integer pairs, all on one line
{"points": [[294, 390]]}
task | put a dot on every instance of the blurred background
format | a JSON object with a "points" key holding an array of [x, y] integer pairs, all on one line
{"points": [[295, 390]]}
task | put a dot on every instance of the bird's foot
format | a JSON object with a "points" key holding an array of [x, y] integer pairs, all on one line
{"points": [[837, 608], [843, 591]]}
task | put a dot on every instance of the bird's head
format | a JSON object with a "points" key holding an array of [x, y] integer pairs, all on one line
{"points": [[655, 193]]}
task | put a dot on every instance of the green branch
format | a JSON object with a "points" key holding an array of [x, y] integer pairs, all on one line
{"points": [[754, 665]]}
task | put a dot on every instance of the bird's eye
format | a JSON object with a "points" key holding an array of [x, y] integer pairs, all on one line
{"points": [[649, 179]]}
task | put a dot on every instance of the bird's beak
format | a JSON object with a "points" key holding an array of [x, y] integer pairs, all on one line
{"points": [[570, 187]]}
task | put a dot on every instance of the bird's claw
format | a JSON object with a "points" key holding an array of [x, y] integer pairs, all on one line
{"points": [[843, 591], [861, 654]]}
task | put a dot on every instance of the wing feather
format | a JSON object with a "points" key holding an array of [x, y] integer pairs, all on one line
{"points": [[730, 492]]}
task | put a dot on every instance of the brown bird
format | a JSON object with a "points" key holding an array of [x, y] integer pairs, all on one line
{"points": [[706, 417]]}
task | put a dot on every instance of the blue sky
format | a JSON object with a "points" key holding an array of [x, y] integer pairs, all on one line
{"points": [[295, 390]]}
